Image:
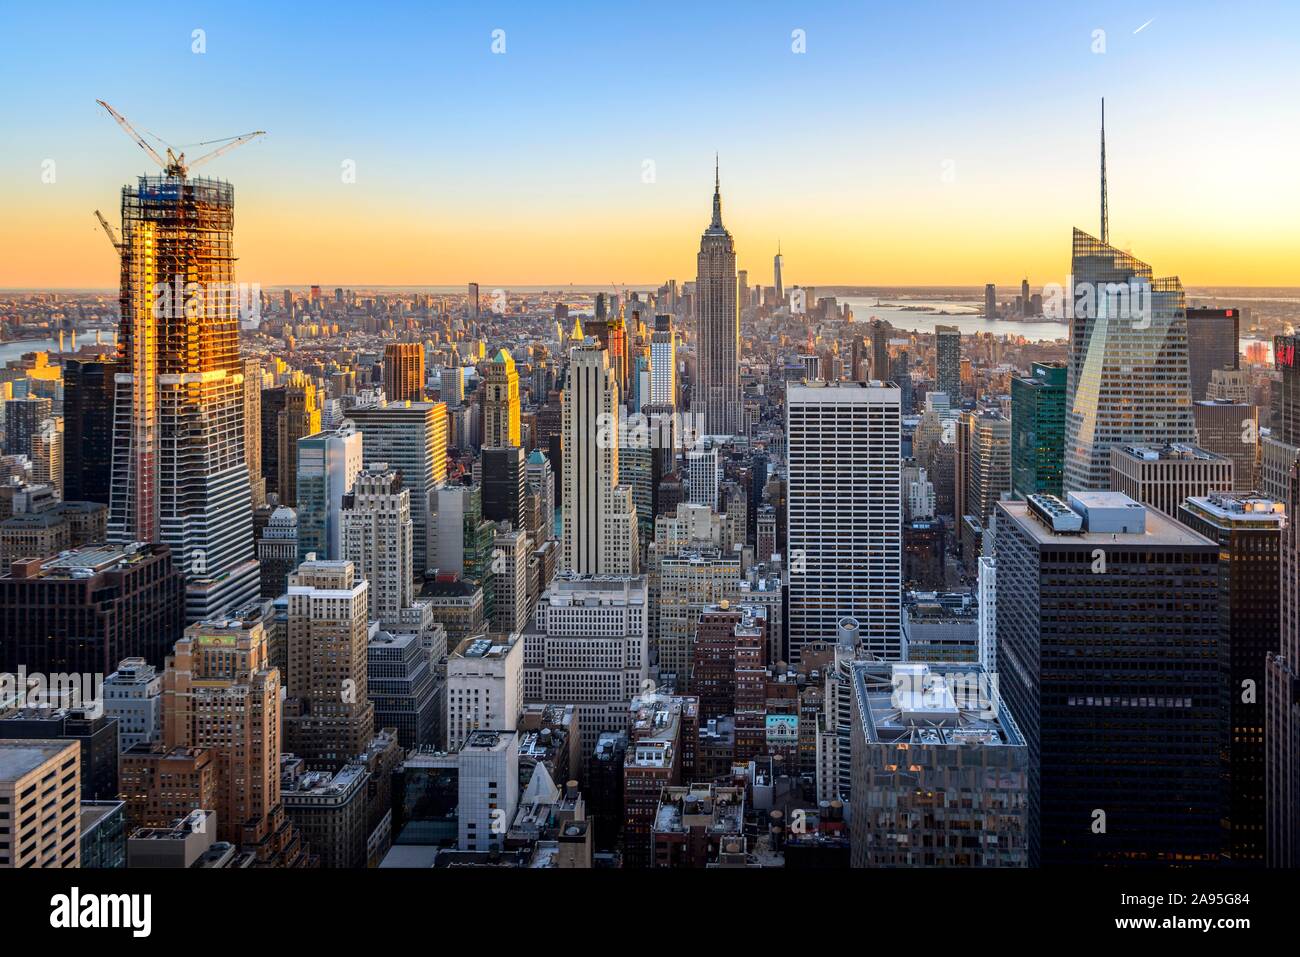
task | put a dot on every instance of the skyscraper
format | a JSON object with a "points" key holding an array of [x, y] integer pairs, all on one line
{"points": [[880, 368], [984, 455], [328, 715], [1038, 430], [1248, 531], [88, 429], [378, 539], [587, 644], [501, 402], [22, 419], [221, 692], [990, 301], [599, 518], [504, 485], [1282, 702], [179, 472], [540, 480], [1128, 379], [328, 463], [300, 417], [253, 428], [1213, 342], [410, 437], [777, 262], [947, 363], [717, 342], [404, 371], [1113, 658], [663, 363], [845, 514], [966, 770]]}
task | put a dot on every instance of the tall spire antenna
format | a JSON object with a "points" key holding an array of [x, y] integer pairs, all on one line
{"points": [[1105, 212], [717, 194]]}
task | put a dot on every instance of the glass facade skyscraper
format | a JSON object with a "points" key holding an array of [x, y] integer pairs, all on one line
{"points": [[1038, 430], [947, 363], [1128, 378]]}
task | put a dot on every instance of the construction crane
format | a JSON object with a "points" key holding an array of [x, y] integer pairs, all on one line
{"points": [[108, 231], [174, 165]]}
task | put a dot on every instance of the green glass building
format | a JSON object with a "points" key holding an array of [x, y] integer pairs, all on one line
{"points": [[1038, 430]]}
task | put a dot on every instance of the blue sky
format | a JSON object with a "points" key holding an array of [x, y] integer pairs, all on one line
{"points": [[468, 161]]}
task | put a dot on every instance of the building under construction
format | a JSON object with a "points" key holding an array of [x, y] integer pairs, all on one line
{"points": [[179, 471]]}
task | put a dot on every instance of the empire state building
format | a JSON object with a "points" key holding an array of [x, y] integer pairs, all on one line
{"points": [[717, 388]]}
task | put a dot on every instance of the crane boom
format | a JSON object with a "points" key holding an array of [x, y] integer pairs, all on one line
{"points": [[130, 131], [237, 141], [108, 231], [174, 165]]}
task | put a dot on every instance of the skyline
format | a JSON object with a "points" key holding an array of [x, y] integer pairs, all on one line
{"points": [[955, 161]]}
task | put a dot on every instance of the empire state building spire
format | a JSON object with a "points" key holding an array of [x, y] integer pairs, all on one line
{"points": [[717, 195]]}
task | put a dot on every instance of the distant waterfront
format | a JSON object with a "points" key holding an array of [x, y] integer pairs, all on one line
{"points": [[17, 348], [966, 316]]}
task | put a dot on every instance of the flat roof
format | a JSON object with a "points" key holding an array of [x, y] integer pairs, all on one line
{"points": [[1160, 530], [19, 757], [929, 703]]}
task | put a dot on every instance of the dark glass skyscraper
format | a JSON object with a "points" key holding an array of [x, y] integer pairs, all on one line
{"points": [[1113, 657], [947, 363], [1212, 343], [1248, 531], [87, 429]]}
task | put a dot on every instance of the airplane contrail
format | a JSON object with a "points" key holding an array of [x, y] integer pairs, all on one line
{"points": [[1144, 26]]}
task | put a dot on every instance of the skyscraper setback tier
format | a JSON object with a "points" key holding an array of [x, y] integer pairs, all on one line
{"points": [[179, 471], [1128, 380], [717, 342]]}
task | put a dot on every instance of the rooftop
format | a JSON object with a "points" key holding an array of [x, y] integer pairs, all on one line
{"points": [[1239, 508], [481, 646], [1169, 453], [1159, 529], [718, 810], [22, 757], [931, 704]]}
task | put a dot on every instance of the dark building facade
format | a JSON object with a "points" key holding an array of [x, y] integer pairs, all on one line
{"points": [[504, 481], [86, 610], [273, 403], [87, 429], [1212, 343], [1112, 655], [1248, 531]]}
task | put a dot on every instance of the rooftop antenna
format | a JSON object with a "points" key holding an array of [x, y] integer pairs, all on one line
{"points": [[1105, 212]]}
